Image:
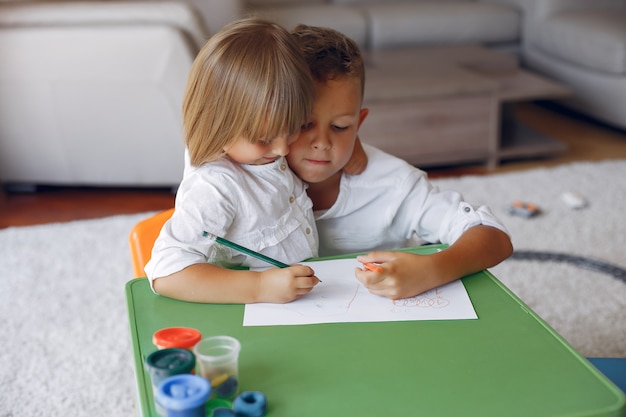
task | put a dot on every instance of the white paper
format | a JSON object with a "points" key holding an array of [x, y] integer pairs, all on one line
{"points": [[340, 297]]}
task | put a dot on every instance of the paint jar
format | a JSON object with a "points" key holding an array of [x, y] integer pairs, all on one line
{"points": [[176, 337], [168, 362], [217, 403], [218, 357], [183, 396]]}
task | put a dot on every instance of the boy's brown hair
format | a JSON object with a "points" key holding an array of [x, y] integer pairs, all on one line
{"points": [[249, 80], [330, 54]]}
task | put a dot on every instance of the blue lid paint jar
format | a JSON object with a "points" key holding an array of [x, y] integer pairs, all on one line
{"points": [[184, 395]]}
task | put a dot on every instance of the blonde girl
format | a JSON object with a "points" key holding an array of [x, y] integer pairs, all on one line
{"points": [[248, 93]]}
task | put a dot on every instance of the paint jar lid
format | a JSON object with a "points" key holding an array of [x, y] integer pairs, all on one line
{"points": [[171, 361], [176, 337], [183, 392]]}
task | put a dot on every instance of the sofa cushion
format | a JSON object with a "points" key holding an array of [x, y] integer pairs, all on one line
{"points": [[85, 104], [436, 22], [268, 3], [594, 39], [379, 1], [348, 20]]}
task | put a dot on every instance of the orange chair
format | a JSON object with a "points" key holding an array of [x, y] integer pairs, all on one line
{"points": [[142, 239]]}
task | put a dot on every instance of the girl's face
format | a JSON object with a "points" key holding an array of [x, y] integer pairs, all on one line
{"points": [[261, 152]]}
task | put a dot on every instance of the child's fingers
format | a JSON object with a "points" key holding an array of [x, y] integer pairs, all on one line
{"points": [[302, 270], [376, 257], [369, 278], [306, 282]]}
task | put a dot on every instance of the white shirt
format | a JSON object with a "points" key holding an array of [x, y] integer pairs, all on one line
{"points": [[393, 205], [262, 207]]}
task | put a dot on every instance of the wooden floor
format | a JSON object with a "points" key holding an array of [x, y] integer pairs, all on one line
{"points": [[586, 141]]}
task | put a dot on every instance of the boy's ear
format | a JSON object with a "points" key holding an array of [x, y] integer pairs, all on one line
{"points": [[363, 114], [358, 161]]}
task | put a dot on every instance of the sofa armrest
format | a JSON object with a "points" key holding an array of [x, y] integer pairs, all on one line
{"points": [[91, 92], [179, 15]]}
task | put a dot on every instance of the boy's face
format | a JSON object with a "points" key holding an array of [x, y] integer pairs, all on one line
{"points": [[327, 139]]}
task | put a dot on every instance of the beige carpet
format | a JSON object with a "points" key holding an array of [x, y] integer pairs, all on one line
{"points": [[66, 348], [586, 307]]}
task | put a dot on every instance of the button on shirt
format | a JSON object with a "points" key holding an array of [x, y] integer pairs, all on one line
{"points": [[262, 207], [391, 205]]}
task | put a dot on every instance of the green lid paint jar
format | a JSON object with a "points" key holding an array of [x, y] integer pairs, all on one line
{"points": [[168, 362]]}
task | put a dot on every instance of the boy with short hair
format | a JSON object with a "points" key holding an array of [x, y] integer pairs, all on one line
{"points": [[391, 202]]}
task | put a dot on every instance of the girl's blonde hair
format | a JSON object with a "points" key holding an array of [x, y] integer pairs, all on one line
{"points": [[249, 80]]}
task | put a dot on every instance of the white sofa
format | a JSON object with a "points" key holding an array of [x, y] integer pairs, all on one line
{"points": [[581, 43], [91, 92]]}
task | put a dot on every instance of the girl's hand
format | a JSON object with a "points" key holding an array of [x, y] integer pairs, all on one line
{"points": [[282, 285]]}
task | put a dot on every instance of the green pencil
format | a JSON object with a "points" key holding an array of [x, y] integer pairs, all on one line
{"points": [[242, 249]]}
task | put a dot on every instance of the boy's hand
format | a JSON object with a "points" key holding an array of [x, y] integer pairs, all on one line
{"points": [[408, 274], [358, 161], [282, 285], [403, 274]]}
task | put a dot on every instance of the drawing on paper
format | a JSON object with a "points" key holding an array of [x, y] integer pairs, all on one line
{"points": [[333, 299], [429, 299], [342, 298]]}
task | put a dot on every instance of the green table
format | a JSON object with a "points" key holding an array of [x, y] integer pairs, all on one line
{"points": [[509, 362]]}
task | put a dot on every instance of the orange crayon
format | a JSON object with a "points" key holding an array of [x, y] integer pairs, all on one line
{"points": [[373, 267]]}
